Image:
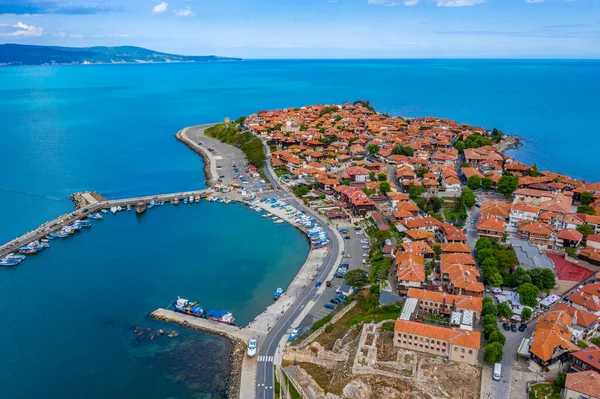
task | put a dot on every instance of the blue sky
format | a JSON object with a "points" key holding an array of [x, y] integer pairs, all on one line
{"points": [[315, 28]]}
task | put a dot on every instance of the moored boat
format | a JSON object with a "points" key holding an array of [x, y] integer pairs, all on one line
{"points": [[140, 207], [113, 209], [278, 292], [104, 211], [186, 307], [222, 316], [185, 200], [197, 198]]}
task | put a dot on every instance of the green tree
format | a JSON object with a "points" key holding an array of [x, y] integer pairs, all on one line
{"points": [[489, 320], [301, 191], [595, 341], [474, 182], [489, 309], [525, 314], [507, 185], [484, 242], [493, 352], [528, 294], [487, 299], [460, 146], [385, 188], [476, 140], [382, 177], [585, 229], [402, 150], [485, 253], [519, 277], [487, 183], [345, 182], [415, 191], [586, 197], [468, 197], [496, 336], [495, 279], [488, 329], [544, 279], [420, 172], [372, 176], [505, 310], [560, 380], [586, 209], [435, 203], [373, 149], [355, 278]]}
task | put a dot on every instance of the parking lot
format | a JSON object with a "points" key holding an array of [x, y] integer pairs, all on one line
{"points": [[352, 247]]}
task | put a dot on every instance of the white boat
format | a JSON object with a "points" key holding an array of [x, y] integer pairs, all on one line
{"points": [[104, 211], [128, 207], [191, 199], [279, 221], [267, 215], [114, 209], [119, 209], [252, 348]]}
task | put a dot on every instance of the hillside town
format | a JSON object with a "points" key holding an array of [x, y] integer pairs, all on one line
{"points": [[494, 262]]}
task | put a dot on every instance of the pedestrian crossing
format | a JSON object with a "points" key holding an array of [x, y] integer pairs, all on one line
{"points": [[265, 358]]}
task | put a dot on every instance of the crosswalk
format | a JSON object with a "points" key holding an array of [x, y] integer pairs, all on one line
{"points": [[265, 358]]}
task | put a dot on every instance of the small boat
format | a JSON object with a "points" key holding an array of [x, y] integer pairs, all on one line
{"points": [[176, 201], [82, 223], [95, 216], [279, 221], [222, 316], [8, 261], [151, 204], [185, 200], [104, 211], [278, 292], [186, 307], [113, 209], [140, 207], [61, 234], [27, 250], [267, 215], [252, 348], [16, 256], [275, 217], [197, 198], [119, 208], [191, 199], [128, 207], [295, 333]]}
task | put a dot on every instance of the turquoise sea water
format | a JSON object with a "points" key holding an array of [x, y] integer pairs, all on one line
{"points": [[69, 313]]}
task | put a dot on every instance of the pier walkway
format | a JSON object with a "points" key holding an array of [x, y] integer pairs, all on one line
{"points": [[93, 206]]}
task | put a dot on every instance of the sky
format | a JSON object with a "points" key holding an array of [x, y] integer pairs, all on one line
{"points": [[314, 28]]}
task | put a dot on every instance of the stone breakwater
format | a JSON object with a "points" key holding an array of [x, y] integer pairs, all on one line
{"points": [[206, 158], [86, 198], [236, 356]]}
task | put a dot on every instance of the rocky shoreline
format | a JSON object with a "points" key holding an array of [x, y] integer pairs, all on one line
{"points": [[210, 180], [236, 355], [509, 142], [81, 202]]}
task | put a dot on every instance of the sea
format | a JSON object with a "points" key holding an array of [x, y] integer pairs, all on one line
{"points": [[75, 317]]}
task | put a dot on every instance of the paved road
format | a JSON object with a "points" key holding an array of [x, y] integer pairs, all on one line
{"points": [[501, 389], [264, 374]]}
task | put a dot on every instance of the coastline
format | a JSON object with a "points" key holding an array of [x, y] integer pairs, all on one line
{"points": [[509, 142]]}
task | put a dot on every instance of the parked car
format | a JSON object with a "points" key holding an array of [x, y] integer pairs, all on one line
{"points": [[506, 326], [523, 327], [329, 306], [346, 237], [328, 283], [513, 328], [318, 284], [335, 301], [347, 256]]}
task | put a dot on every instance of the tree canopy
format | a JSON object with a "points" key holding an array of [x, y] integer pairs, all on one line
{"points": [[403, 150], [528, 294], [586, 197], [476, 140], [586, 209], [372, 149], [493, 352], [525, 314], [487, 183], [585, 229], [507, 185], [542, 278], [468, 197], [385, 188], [474, 182], [355, 278], [505, 310]]}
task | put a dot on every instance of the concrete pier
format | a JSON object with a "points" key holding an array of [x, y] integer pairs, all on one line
{"points": [[94, 206]]}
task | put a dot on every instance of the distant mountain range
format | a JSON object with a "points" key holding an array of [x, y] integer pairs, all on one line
{"points": [[18, 54]]}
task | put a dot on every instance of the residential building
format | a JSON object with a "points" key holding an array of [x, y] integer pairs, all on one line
{"points": [[443, 303], [452, 343], [586, 359], [551, 339], [583, 385], [410, 270]]}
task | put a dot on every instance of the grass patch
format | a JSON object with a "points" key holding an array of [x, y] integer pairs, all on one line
{"points": [[544, 391], [247, 142]]}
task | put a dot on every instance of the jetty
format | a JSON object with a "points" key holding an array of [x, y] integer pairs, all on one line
{"points": [[89, 204]]}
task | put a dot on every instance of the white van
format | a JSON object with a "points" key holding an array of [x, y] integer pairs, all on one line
{"points": [[497, 371]]}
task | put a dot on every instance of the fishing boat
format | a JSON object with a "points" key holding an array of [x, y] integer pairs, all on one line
{"points": [[113, 209], [27, 250], [185, 200], [140, 207], [82, 223], [278, 292], [186, 307], [252, 348], [119, 208], [128, 207], [16, 256], [9, 261], [104, 211], [176, 201], [279, 221], [151, 204], [267, 215], [197, 198], [222, 316], [191, 199], [295, 333], [95, 216]]}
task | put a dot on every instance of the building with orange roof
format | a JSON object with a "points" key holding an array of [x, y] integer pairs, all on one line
{"points": [[452, 343], [454, 247], [420, 235], [425, 222], [521, 211], [449, 233], [537, 233], [457, 258], [585, 301], [585, 324], [586, 359], [582, 385], [468, 172], [593, 240], [418, 247], [462, 279], [496, 208], [443, 303], [551, 339], [489, 225], [568, 238], [410, 270]]}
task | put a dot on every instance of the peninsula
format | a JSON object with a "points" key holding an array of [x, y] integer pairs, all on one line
{"points": [[19, 54]]}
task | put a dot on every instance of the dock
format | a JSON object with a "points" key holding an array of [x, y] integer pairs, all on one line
{"points": [[90, 205]]}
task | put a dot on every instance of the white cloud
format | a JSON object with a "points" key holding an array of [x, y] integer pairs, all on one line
{"points": [[160, 8], [534, 1], [458, 3], [186, 12], [20, 29], [411, 2], [387, 3]]}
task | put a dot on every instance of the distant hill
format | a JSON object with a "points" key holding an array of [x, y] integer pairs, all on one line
{"points": [[18, 54]]}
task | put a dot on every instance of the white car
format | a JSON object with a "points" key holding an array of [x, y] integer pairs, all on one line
{"points": [[252, 347]]}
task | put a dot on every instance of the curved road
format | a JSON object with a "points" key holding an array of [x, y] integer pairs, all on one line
{"points": [[264, 368]]}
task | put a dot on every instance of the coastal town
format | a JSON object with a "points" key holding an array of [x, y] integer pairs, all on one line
{"points": [[487, 262]]}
